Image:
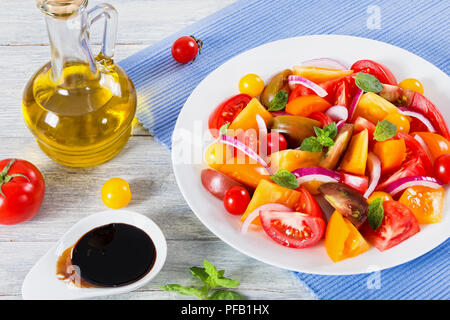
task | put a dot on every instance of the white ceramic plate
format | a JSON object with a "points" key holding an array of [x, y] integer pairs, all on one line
{"points": [[266, 61]]}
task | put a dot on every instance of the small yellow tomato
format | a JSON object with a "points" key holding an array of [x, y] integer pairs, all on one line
{"points": [[379, 194], [399, 120], [412, 84], [251, 84], [116, 193]]}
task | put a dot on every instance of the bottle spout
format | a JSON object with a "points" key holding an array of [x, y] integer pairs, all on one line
{"points": [[61, 9]]}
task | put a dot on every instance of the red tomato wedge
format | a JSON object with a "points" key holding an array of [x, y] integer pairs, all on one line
{"points": [[226, 112], [422, 105], [399, 224], [308, 204], [300, 91], [362, 123], [359, 183], [376, 69], [415, 149], [321, 117], [410, 168], [292, 229]]}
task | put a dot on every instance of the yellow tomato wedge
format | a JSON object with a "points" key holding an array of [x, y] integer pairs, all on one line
{"points": [[268, 192], [374, 108], [342, 239], [355, 158], [426, 203], [246, 119], [391, 153], [305, 105], [319, 75], [292, 159], [241, 168]]}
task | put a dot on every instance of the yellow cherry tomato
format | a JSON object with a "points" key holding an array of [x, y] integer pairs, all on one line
{"points": [[412, 84], [399, 120], [251, 84], [116, 193], [379, 194]]}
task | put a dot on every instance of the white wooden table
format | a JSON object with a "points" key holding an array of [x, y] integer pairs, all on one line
{"points": [[75, 193]]}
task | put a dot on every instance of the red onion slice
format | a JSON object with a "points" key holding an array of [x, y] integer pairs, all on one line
{"points": [[326, 63], [340, 124], [424, 145], [316, 174], [403, 183], [354, 104], [337, 113], [294, 80], [280, 113], [262, 136], [244, 148], [418, 116], [255, 213], [375, 173]]}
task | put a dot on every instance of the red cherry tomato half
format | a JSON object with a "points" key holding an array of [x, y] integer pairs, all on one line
{"points": [[185, 49], [307, 204], [292, 229], [226, 112], [442, 168], [275, 142], [399, 223], [376, 69], [22, 191], [236, 200]]}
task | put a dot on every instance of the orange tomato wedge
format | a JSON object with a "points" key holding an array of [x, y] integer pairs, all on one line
{"points": [[355, 158], [305, 105], [342, 239], [426, 203], [292, 159], [391, 153], [268, 192], [373, 108], [246, 119], [437, 144], [319, 75]]}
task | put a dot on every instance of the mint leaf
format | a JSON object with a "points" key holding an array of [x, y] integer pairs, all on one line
{"points": [[279, 101], [227, 283], [368, 82], [311, 144], [185, 291], [199, 273], [376, 213], [225, 295], [224, 128], [285, 179], [384, 130], [331, 130]]}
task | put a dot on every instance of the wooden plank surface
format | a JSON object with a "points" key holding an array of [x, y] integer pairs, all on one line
{"points": [[75, 193]]}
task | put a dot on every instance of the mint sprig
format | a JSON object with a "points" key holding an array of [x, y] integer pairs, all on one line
{"points": [[212, 279], [368, 82], [384, 130], [376, 213], [285, 179], [279, 101], [324, 138]]}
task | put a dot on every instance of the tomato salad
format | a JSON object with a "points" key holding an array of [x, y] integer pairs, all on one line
{"points": [[376, 150]]}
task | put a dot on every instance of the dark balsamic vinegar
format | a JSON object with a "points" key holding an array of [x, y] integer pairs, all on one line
{"points": [[112, 255]]}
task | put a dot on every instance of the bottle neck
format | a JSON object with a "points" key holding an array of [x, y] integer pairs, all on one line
{"points": [[69, 43]]}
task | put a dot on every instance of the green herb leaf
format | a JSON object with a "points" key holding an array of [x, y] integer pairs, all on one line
{"points": [[225, 295], [384, 130], [185, 291], [199, 273], [285, 179], [368, 82], [331, 130], [279, 101], [311, 144], [376, 213], [224, 128], [227, 283]]}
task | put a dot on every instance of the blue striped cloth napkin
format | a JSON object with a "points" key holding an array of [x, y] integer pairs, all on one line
{"points": [[420, 27]]}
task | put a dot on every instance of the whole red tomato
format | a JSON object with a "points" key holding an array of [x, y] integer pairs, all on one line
{"points": [[22, 189], [185, 49]]}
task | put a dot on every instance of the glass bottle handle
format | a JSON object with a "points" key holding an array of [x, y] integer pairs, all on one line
{"points": [[108, 12]]}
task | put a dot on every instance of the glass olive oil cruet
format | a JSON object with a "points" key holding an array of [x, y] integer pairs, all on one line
{"points": [[79, 107]]}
